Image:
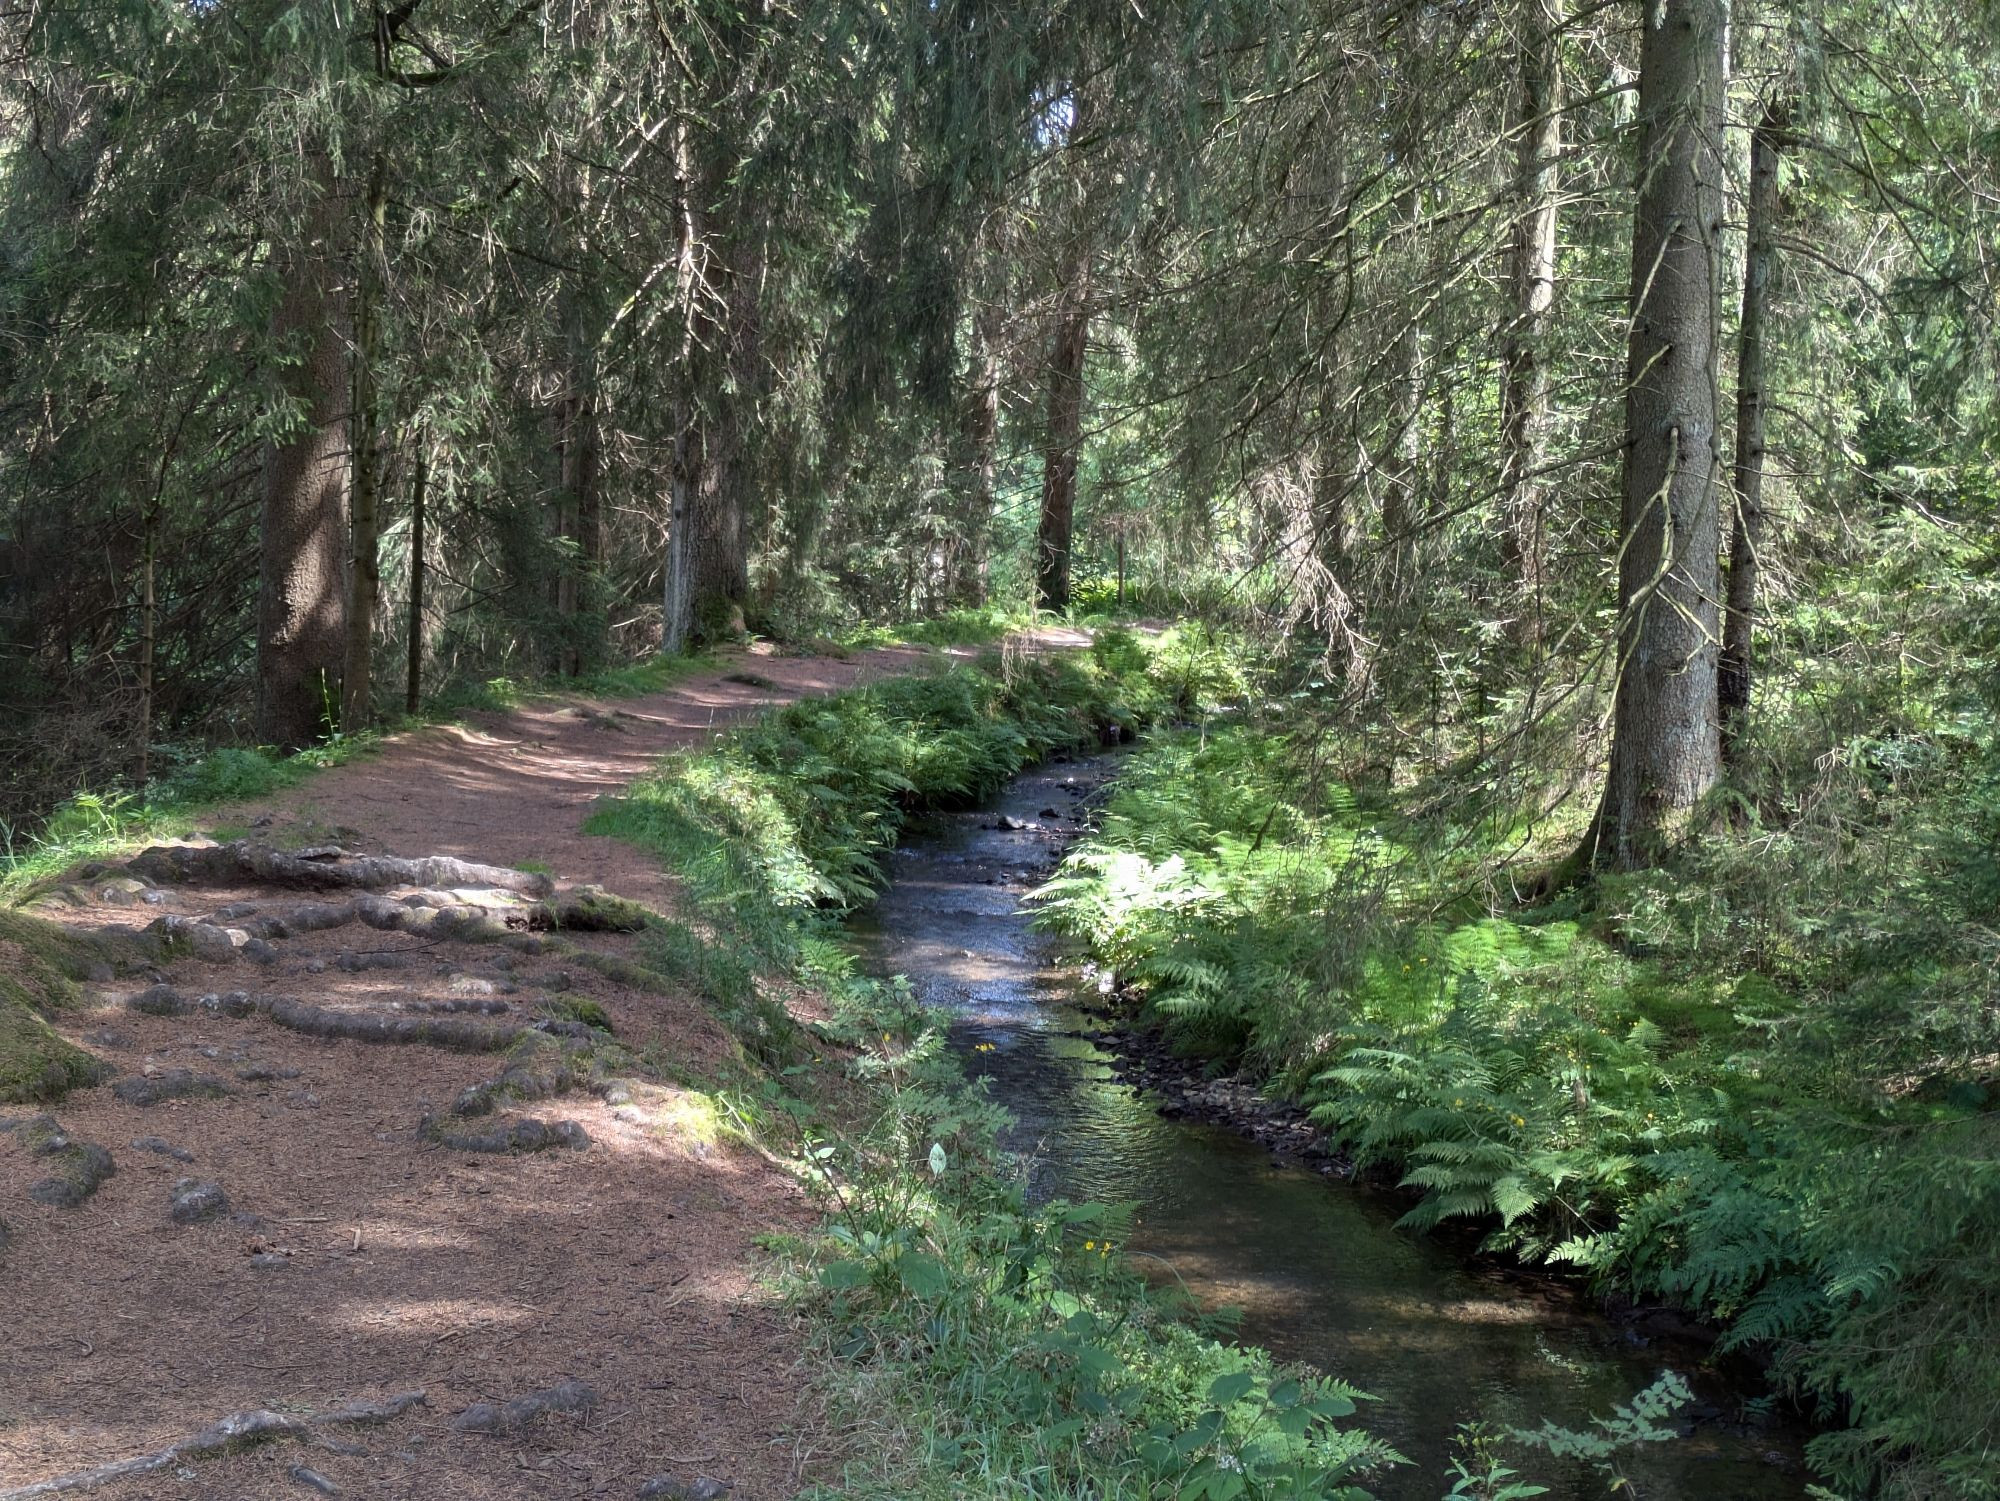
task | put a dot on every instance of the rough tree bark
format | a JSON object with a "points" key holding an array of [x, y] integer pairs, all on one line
{"points": [[364, 576], [580, 507], [1062, 434], [1752, 360], [1666, 748], [413, 681], [982, 441], [1400, 466], [707, 574], [1524, 396], [301, 615], [1063, 439]]}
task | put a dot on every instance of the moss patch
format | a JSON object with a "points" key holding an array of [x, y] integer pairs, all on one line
{"points": [[40, 964]]}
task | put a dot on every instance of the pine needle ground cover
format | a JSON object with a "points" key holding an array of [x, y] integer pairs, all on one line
{"points": [[1779, 1117]]}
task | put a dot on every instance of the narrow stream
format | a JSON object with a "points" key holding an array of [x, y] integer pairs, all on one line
{"points": [[1316, 1266]]}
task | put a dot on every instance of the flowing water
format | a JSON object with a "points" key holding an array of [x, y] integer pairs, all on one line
{"points": [[1316, 1266]]}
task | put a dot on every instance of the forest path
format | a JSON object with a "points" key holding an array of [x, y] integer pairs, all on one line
{"points": [[384, 1071]]}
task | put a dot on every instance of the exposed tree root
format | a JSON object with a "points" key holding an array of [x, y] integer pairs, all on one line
{"points": [[321, 870], [543, 1068], [177, 935], [174, 1084], [511, 1417], [518, 1135], [459, 1033], [237, 1431]]}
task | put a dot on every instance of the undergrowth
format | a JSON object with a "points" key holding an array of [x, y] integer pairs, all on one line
{"points": [[1759, 1083], [93, 824], [970, 1343]]}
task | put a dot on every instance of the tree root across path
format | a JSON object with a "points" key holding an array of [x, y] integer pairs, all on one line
{"points": [[233, 1432], [458, 1032], [325, 869]]}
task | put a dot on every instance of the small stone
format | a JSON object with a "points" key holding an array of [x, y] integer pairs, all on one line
{"points": [[163, 1147], [673, 1488], [158, 1000], [266, 1261], [195, 1200], [313, 1480], [264, 1073]]}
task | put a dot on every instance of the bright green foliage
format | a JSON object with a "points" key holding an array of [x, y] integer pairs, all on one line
{"points": [[1480, 1476], [798, 809], [1779, 1115], [98, 823], [1001, 1349], [983, 1346]]}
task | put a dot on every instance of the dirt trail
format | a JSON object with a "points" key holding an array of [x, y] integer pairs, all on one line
{"points": [[325, 1058]]}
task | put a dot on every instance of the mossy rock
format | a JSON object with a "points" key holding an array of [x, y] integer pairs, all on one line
{"points": [[40, 964], [578, 1009], [589, 909]]}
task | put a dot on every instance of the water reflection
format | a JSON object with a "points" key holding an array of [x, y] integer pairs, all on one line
{"points": [[1317, 1269]]}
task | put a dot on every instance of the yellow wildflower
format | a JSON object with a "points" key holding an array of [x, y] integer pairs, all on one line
{"points": [[1090, 1245]]}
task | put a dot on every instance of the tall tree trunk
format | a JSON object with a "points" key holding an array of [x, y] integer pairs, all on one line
{"points": [[1063, 438], [707, 575], [1401, 460], [413, 681], [1752, 363], [1666, 748], [364, 578], [982, 441], [301, 606], [1524, 397], [580, 512], [149, 626]]}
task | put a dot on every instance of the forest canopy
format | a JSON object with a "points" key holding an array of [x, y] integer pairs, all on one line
{"points": [[355, 355]]}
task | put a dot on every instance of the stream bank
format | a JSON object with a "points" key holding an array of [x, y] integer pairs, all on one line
{"points": [[1249, 1221]]}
